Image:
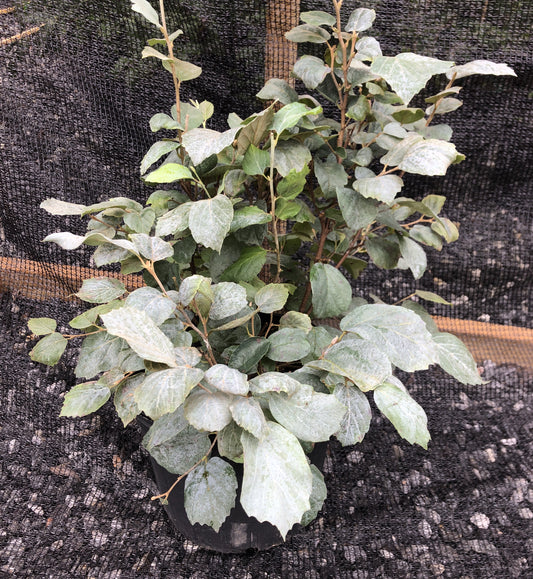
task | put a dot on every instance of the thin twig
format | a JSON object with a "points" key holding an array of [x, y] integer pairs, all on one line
{"points": [[164, 496], [170, 48], [12, 39]]}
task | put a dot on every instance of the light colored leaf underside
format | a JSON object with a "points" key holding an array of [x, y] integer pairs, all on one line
{"points": [[277, 480]]}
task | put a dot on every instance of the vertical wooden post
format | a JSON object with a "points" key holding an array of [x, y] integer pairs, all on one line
{"points": [[280, 54]]}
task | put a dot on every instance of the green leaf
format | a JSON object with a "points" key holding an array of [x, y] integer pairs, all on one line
{"points": [[113, 203], [330, 175], [399, 333], [422, 312], [248, 266], [229, 299], [84, 399], [289, 116], [271, 298], [98, 290], [444, 106], [142, 335], [191, 117], [99, 353], [235, 323], [286, 209], [358, 360], [248, 414], [428, 157], [210, 221], [444, 93], [173, 330], [319, 493], [255, 161], [288, 345], [49, 349], [233, 183], [58, 207], [175, 221], [150, 51], [164, 391], [446, 228], [358, 109], [175, 444], [407, 116], [291, 155], [144, 8], [383, 188], [217, 263], [186, 356], [254, 130], [208, 410], [152, 248], [292, 185], [318, 18], [356, 421], [426, 235], [396, 154], [358, 212], [408, 73], [309, 415], [248, 354], [202, 143], [279, 90], [248, 216], [124, 400], [480, 67], [354, 266], [368, 47], [432, 297], [226, 379], [169, 172], [210, 492], [229, 442], [320, 338], [311, 70], [277, 480], [42, 326], [332, 293], [414, 256], [274, 382], [383, 252], [128, 360], [197, 288], [151, 301], [360, 19], [434, 203], [455, 359], [407, 416], [154, 153], [183, 70], [308, 33], [163, 121], [109, 253], [296, 320]]}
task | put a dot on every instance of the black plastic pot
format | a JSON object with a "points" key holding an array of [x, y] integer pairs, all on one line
{"points": [[239, 532]]}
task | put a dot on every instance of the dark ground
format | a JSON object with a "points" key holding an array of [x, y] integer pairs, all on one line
{"points": [[75, 493]]}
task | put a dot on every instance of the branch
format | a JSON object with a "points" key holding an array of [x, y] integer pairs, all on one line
{"points": [[164, 496]]}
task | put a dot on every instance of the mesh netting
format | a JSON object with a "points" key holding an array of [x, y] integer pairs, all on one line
{"points": [[74, 102]]}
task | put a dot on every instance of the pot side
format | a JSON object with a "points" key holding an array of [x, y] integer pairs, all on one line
{"points": [[239, 532]]}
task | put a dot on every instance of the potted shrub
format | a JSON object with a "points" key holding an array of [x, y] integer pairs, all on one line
{"points": [[225, 350]]}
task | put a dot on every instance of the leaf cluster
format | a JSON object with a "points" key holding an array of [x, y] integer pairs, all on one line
{"points": [[225, 345]]}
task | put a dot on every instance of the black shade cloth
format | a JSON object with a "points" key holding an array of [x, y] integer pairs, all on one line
{"points": [[75, 100]]}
